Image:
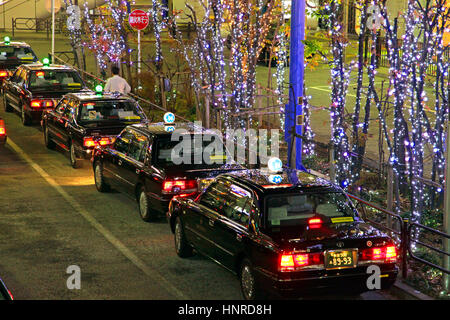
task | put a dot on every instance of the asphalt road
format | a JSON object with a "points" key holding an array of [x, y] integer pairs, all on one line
{"points": [[52, 217]]}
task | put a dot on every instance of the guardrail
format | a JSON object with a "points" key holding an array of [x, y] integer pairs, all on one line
{"points": [[403, 235]]}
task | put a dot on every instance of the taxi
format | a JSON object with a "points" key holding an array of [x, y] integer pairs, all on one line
{"points": [[5, 294], [12, 55], [140, 164], [81, 121], [3, 135], [39, 86], [285, 235]]}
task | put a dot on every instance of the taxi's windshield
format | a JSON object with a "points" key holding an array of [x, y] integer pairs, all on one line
{"points": [[55, 79], [287, 210], [17, 53], [109, 111], [209, 153]]}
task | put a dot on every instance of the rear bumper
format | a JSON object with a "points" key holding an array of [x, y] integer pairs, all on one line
{"points": [[3, 139], [350, 281]]}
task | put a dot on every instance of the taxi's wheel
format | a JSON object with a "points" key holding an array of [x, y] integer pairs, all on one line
{"points": [[182, 247], [6, 105], [26, 121], [48, 142], [249, 287], [73, 157], [144, 206], [100, 183]]}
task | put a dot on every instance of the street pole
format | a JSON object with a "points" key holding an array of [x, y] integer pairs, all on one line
{"points": [[445, 277], [294, 111], [139, 58], [53, 31]]}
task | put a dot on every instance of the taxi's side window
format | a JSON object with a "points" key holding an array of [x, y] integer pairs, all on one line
{"points": [[238, 204], [138, 147], [16, 76], [214, 197], [122, 143], [61, 106]]}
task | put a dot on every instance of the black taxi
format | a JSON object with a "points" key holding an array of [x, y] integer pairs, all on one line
{"points": [[12, 55], [81, 121], [5, 294], [284, 235], [140, 164], [36, 87]]}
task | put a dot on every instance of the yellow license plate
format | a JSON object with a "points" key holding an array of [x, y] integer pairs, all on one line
{"points": [[340, 259]]}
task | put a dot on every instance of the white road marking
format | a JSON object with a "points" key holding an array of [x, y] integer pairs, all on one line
{"points": [[100, 228]]}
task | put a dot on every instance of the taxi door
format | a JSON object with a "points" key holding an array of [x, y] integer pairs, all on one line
{"points": [[13, 89], [55, 122], [129, 168]]}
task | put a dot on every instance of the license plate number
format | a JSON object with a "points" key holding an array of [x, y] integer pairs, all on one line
{"points": [[340, 259]]}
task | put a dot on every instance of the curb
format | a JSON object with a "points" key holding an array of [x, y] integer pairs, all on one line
{"points": [[405, 292]]}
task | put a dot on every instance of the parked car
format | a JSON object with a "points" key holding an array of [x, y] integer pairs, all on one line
{"points": [[81, 121], [5, 294], [139, 163], [12, 55], [284, 238], [3, 135], [36, 87]]}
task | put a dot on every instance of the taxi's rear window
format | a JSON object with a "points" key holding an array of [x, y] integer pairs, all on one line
{"points": [[295, 209], [55, 79], [111, 110], [209, 153], [16, 53]]}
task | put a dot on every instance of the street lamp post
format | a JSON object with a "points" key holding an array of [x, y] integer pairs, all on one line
{"points": [[53, 31], [294, 110]]}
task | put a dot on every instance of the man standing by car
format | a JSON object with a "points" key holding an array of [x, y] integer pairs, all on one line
{"points": [[116, 83]]}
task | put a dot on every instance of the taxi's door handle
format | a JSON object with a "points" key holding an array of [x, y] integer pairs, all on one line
{"points": [[212, 222], [119, 162]]}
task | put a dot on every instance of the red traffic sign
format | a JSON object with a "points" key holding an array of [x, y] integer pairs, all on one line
{"points": [[138, 19]]}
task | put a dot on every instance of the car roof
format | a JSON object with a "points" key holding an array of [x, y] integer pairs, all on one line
{"points": [[89, 95], [40, 66], [159, 128], [289, 180], [16, 44]]}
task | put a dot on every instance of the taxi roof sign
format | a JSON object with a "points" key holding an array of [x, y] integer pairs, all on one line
{"points": [[169, 117]]}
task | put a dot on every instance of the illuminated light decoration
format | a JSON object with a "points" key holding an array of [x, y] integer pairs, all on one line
{"points": [[7, 40], [169, 117], [275, 164], [46, 62]]}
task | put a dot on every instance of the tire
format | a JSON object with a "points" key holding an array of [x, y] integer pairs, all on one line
{"points": [[74, 162], [6, 105], [144, 206], [182, 247], [49, 144], [26, 121], [249, 287], [100, 183]]}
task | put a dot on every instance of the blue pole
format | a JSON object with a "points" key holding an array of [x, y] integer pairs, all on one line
{"points": [[294, 111]]}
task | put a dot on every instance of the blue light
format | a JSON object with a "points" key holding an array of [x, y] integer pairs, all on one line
{"points": [[275, 179], [169, 117], [169, 128]]}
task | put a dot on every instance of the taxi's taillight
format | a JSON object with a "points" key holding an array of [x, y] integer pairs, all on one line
{"points": [[2, 128], [386, 254], [90, 142], [179, 186], [41, 104], [296, 261], [3, 73]]}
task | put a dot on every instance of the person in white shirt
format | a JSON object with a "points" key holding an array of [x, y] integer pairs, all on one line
{"points": [[116, 83]]}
